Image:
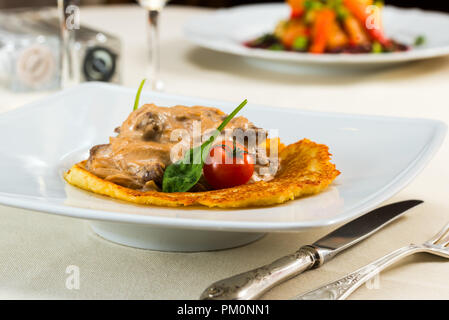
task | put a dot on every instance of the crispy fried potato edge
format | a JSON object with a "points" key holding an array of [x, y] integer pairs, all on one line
{"points": [[305, 170]]}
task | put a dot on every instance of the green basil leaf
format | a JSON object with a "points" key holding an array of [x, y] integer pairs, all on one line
{"points": [[182, 175], [136, 100]]}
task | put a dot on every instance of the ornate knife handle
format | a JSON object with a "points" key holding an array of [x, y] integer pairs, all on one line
{"points": [[342, 288], [252, 284]]}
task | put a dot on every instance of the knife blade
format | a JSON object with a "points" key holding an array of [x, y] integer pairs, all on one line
{"points": [[253, 283]]}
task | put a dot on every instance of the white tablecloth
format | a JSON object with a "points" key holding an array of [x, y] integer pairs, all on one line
{"points": [[38, 249]]}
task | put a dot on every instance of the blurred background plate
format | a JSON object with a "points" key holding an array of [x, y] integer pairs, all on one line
{"points": [[226, 30]]}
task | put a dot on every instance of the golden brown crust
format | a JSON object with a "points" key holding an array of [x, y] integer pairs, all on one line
{"points": [[305, 169]]}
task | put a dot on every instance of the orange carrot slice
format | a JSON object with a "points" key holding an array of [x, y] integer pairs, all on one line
{"points": [[321, 30]]}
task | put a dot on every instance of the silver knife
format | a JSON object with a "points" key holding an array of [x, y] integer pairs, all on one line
{"points": [[252, 284]]}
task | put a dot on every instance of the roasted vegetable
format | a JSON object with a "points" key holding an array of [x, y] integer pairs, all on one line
{"points": [[297, 7], [370, 18], [331, 26], [321, 30], [356, 34], [337, 38], [293, 30]]}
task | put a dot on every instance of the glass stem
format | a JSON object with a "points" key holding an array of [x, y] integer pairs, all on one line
{"points": [[153, 42]]}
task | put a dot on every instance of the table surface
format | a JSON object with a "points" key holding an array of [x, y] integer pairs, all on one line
{"points": [[38, 249]]}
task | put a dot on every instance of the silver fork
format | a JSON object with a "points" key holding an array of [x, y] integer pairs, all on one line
{"points": [[342, 288]]}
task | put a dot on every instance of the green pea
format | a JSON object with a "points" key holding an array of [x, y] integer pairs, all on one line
{"points": [[300, 43], [377, 47]]}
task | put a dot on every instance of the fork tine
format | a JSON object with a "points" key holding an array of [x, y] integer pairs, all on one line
{"points": [[444, 242], [440, 235]]}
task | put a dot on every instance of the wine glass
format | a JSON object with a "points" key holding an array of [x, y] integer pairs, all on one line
{"points": [[68, 19], [154, 8]]}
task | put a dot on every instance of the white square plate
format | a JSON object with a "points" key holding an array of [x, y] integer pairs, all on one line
{"points": [[377, 156]]}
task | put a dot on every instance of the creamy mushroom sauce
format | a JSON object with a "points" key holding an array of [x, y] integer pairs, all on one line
{"points": [[137, 157]]}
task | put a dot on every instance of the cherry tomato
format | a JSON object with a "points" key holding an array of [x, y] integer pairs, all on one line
{"points": [[228, 165]]}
